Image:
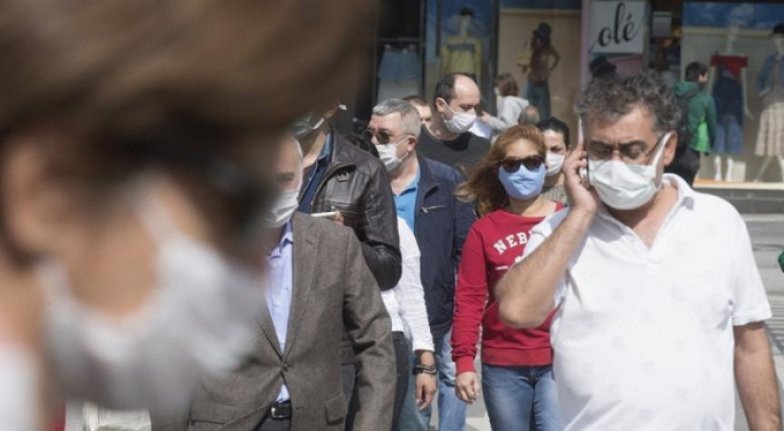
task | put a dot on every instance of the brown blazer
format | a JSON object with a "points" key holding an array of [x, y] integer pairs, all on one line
{"points": [[332, 285]]}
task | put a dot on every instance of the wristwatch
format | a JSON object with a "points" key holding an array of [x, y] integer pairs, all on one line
{"points": [[425, 369]]}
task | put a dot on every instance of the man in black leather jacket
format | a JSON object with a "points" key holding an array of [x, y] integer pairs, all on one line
{"points": [[339, 177]]}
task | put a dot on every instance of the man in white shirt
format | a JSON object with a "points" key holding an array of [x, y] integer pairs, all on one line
{"points": [[406, 307], [659, 299]]}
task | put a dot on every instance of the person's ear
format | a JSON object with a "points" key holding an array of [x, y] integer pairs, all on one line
{"points": [[440, 105], [412, 141], [670, 147], [34, 205]]}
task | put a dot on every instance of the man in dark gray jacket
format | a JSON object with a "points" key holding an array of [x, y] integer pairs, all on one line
{"points": [[318, 283]]}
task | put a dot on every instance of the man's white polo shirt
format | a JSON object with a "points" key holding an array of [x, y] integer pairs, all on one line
{"points": [[643, 338]]}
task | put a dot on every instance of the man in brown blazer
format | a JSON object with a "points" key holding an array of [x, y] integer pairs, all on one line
{"points": [[291, 380]]}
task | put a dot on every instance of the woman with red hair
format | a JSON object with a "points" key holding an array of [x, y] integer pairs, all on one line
{"points": [[516, 364]]}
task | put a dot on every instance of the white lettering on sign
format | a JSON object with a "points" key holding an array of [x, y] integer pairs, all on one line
{"points": [[617, 27]]}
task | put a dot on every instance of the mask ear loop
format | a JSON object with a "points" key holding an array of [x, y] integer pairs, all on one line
{"points": [[318, 124], [154, 215], [54, 280], [660, 150], [446, 106]]}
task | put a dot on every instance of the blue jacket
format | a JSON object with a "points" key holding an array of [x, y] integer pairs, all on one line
{"points": [[765, 78], [441, 226]]}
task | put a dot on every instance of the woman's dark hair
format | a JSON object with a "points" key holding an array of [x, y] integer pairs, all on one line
{"points": [[483, 186], [155, 72], [507, 85], [557, 126], [128, 85], [694, 70]]}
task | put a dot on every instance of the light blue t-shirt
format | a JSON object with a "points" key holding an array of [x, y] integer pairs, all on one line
{"points": [[406, 201]]}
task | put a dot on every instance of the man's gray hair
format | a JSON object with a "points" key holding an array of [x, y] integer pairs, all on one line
{"points": [[611, 97], [410, 123]]}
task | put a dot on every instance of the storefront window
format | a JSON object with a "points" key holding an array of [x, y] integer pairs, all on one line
{"points": [[737, 41], [553, 48]]}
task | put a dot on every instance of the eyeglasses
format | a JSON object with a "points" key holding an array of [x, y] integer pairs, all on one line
{"points": [[631, 152], [381, 136], [512, 164]]}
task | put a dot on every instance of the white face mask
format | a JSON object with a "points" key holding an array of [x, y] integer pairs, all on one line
{"points": [[460, 122], [283, 209], [388, 156], [626, 186], [554, 163], [199, 321], [19, 397]]}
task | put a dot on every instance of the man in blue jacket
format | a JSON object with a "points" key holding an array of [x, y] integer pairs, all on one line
{"points": [[424, 192]]}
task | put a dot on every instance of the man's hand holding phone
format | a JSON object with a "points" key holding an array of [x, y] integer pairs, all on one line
{"points": [[581, 195]]}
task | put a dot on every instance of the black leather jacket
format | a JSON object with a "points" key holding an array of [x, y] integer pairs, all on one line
{"points": [[357, 185]]}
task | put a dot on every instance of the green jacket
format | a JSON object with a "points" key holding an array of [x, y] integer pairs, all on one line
{"points": [[701, 116]]}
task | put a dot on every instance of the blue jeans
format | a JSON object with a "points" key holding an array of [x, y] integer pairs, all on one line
{"points": [[451, 411], [538, 94], [521, 398], [729, 136]]}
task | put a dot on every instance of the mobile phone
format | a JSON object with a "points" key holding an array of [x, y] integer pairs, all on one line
{"points": [[585, 176], [330, 215]]}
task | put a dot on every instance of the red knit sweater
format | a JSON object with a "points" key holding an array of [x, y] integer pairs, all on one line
{"points": [[493, 244]]}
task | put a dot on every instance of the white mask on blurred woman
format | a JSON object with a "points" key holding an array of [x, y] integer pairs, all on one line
{"points": [[18, 406], [199, 321]]}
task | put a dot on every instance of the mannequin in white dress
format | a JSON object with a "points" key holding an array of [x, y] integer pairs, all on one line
{"points": [[770, 83]]}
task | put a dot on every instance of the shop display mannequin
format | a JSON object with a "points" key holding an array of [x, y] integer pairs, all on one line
{"points": [[770, 84], [462, 53], [399, 71], [543, 61], [728, 76]]}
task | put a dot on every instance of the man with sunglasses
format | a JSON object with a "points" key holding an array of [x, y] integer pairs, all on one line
{"points": [[660, 300], [447, 138], [424, 193]]}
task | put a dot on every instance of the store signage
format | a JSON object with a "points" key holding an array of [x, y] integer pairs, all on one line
{"points": [[617, 27]]}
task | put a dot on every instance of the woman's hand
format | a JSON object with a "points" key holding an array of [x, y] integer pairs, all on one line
{"points": [[467, 387]]}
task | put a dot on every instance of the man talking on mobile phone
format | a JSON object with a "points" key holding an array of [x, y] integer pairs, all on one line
{"points": [[660, 303]]}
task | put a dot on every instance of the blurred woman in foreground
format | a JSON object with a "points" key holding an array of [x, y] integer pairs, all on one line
{"points": [[136, 138]]}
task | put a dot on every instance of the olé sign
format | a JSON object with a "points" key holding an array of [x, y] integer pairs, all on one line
{"points": [[617, 27]]}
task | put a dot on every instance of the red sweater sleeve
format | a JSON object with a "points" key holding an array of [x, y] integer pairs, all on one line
{"points": [[470, 299]]}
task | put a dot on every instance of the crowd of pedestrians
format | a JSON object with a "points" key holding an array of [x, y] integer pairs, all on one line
{"points": [[182, 239]]}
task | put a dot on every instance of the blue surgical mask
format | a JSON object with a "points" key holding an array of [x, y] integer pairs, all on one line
{"points": [[522, 184]]}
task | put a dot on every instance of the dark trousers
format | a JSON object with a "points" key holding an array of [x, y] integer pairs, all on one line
{"points": [[349, 377], [348, 374], [538, 95], [402, 350], [685, 165]]}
